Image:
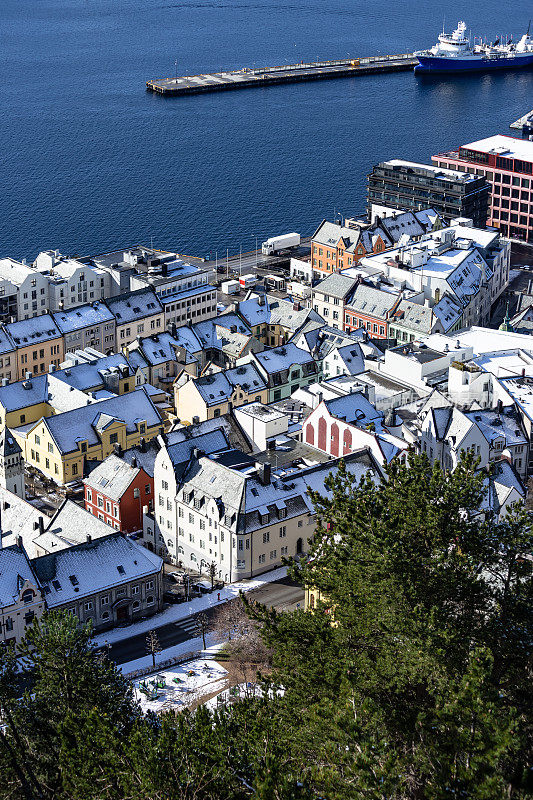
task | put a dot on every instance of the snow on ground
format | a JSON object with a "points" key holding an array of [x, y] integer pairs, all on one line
{"points": [[190, 646], [183, 610], [180, 686]]}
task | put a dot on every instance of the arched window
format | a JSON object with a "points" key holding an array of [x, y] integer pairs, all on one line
{"points": [[150, 600], [136, 605], [105, 615], [312, 600], [28, 595]]}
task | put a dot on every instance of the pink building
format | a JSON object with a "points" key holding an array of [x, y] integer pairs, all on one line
{"points": [[507, 164]]}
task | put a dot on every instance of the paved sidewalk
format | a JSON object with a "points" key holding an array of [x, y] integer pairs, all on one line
{"points": [[178, 612]]}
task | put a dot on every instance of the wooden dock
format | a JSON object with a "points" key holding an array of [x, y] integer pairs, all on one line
{"points": [[291, 73]]}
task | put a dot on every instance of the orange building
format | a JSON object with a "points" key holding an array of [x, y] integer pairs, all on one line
{"points": [[39, 343], [335, 247]]}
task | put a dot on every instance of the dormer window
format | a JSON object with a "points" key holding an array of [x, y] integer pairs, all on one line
{"points": [[27, 596], [264, 517]]}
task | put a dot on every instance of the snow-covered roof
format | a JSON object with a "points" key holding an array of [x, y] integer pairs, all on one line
{"points": [[15, 569], [34, 330], [506, 146], [133, 306], [69, 575], [70, 525], [112, 477], [82, 317], [277, 359], [81, 424]]}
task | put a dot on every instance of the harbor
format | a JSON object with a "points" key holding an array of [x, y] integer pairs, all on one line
{"points": [[247, 78]]}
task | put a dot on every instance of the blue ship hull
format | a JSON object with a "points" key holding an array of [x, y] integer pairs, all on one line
{"points": [[436, 64]]}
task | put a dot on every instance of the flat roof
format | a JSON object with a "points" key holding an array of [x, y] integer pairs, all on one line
{"points": [[502, 145], [450, 174]]}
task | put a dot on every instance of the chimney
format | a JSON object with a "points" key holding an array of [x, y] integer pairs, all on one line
{"points": [[499, 406], [134, 461], [88, 538], [41, 525], [263, 473], [523, 372], [28, 376], [142, 444], [19, 542], [52, 367], [117, 448], [197, 453]]}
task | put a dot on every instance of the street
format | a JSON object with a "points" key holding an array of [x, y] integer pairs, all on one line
{"points": [[283, 594]]}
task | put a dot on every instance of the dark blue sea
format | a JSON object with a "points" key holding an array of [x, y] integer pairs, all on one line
{"points": [[90, 161]]}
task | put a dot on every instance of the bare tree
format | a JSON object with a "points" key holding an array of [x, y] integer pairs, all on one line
{"points": [[202, 626], [229, 620], [152, 645]]}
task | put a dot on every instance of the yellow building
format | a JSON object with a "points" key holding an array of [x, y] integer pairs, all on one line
{"points": [[212, 396], [59, 446], [24, 402]]}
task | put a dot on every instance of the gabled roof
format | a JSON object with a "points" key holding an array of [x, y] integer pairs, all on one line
{"points": [[373, 302], [72, 426], [336, 285], [15, 569], [33, 331], [8, 444], [133, 306], [94, 566], [112, 477], [82, 317]]}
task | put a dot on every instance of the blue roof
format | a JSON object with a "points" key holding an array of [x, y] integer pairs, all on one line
{"points": [[354, 408], [208, 443], [6, 343], [134, 306], [33, 331], [180, 295], [279, 358], [81, 423], [82, 317]]}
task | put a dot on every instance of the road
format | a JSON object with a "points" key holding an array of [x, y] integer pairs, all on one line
{"points": [[283, 594]]}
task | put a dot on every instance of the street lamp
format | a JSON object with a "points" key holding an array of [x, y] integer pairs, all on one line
{"points": [[256, 253]]}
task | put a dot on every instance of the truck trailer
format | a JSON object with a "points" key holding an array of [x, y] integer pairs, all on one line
{"points": [[277, 243]]}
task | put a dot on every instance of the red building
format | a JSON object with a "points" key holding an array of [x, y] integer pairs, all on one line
{"points": [[116, 492], [507, 164], [371, 308]]}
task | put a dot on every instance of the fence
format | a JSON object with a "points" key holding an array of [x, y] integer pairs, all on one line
{"points": [[169, 662]]}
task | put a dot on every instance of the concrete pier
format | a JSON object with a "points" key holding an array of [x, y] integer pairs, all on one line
{"points": [[291, 73]]}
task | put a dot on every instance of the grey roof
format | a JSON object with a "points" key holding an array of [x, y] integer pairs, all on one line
{"points": [[19, 518], [112, 477], [33, 331], [133, 306], [82, 317], [15, 569], [494, 425], [336, 285], [373, 302], [70, 525], [211, 332], [247, 376], [8, 444], [329, 234], [161, 347], [91, 567], [259, 309], [72, 426], [415, 317]]}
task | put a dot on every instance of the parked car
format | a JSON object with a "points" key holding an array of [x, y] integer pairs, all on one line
{"points": [[170, 597]]}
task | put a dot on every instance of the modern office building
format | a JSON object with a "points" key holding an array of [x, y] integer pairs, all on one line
{"points": [[507, 165], [411, 186]]}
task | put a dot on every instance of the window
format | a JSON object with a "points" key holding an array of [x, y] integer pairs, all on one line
{"points": [[262, 558], [105, 615], [27, 596], [104, 600], [50, 447], [88, 605], [150, 600], [149, 585], [273, 554], [266, 537], [283, 532], [113, 438]]}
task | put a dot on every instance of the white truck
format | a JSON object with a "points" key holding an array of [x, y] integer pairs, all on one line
{"points": [[277, 243]]}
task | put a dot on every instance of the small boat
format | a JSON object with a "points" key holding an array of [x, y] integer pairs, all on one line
{"points": [[454, 52]]}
